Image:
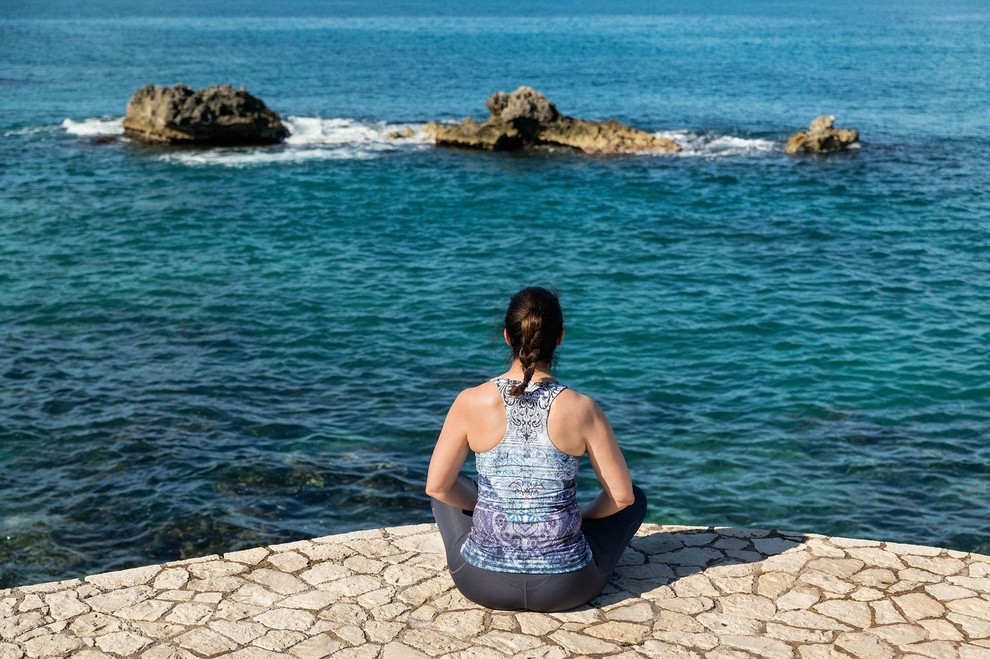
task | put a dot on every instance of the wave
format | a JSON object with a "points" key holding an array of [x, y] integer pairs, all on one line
{"points": [[314, 138], [713, 145], [247, 156], [29, 130], [308, 131], [97, 127]]}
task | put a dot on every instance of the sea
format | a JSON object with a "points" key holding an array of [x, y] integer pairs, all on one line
{"points": [[203, 350]]}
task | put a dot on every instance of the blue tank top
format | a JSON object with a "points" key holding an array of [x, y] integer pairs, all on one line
{"points": [[527, 517]]}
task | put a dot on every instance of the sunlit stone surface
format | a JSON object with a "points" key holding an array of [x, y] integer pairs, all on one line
{"points": [[679, 592]]}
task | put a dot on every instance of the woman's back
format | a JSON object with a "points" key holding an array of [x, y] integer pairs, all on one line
{"points": [[486, 404], [526, 518]]}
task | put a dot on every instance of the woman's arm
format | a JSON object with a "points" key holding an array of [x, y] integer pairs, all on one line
{"points": [[448, 458], [607, 461]]}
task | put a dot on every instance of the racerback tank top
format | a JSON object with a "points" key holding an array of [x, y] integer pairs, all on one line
{"points": [[527, 517]]}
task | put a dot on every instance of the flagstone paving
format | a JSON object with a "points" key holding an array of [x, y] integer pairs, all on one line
{"points": [[717, 593]]}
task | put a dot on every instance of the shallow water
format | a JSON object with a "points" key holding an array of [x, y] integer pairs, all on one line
{"points": [[203, 350]]}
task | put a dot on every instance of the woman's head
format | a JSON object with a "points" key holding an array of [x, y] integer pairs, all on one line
{"points": [[534, 325]]}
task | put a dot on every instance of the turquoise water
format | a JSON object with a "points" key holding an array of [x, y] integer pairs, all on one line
{"points": [[209, 350]]}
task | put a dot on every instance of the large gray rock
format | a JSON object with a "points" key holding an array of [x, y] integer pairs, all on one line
{"points": [[527, 118], [526, 109], [821, 137], [218, 115]]}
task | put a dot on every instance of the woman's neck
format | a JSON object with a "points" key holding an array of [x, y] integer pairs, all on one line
{"points": [[516, 372]]}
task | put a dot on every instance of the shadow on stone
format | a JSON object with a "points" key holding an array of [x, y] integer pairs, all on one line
{"points": [[667, 564]]}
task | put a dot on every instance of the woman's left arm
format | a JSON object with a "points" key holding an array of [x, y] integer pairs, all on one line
{"points": [[448, 457]]}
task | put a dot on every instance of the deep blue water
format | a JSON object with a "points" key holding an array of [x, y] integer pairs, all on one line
{"points": [[204, 350]]}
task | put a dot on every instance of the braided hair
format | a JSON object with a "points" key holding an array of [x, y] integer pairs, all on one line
{"points": [[533, 322]]}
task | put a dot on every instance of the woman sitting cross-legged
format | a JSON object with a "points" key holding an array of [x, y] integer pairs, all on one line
{"points": [[517, 539]]}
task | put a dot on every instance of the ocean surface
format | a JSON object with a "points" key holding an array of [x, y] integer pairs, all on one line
{"points": [[206, 350]]}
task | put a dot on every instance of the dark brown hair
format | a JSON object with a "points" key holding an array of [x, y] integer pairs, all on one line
{"points": [[534, 322]]}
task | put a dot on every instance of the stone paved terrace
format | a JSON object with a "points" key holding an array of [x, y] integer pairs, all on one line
{"points": [[719, 593]]}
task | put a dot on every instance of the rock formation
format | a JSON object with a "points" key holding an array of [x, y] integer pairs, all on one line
{"points": [[403, 134], [821, 137], [218, 115], [527, 118]]}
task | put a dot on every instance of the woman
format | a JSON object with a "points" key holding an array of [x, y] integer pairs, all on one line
{"points": [[517, 539]]}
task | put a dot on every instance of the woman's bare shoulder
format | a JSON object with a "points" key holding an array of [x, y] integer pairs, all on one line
{"points": [[482, 395], [577, 405]]}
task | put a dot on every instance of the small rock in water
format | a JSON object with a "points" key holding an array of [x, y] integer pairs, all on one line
{"points": [[405, 133], [103, 139], [219, 115], [528, 118], [821, 137]]}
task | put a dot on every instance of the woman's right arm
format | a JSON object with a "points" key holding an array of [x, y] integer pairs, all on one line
{"points": [[448, 457], [607, 461]]}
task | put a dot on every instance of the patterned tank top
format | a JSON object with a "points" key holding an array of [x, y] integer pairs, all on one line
{"points": [[527, 517]]}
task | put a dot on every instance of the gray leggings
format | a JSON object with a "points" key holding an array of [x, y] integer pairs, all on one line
{"points": [[514, 591]]}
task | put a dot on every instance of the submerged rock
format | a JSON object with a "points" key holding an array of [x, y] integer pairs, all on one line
{"points": [[217, 115], [821, 137], [527, 118]]}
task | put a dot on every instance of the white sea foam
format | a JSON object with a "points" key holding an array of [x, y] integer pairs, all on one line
{"points": [[97, 127], [313, 138], [29, 130], [713, 145], [247, 156], [311, 131]]}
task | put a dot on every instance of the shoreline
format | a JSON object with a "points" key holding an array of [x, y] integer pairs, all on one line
{"points": [[678, 591]]}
